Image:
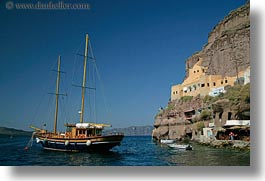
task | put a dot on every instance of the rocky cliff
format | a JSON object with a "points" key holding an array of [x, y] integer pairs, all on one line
{"points": [[228, 45], [171, 122], [226, 53]]}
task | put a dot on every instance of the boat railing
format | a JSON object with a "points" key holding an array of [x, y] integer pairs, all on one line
{"points": [[115, 133]]}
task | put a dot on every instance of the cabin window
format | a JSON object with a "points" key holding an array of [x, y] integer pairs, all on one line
{"points": [[89, 132], [98, 131], [194, 71], [197, 70], [208, 84], [81, 132], [202, 85], [222, 82], [226, 81], [69, 129], [214, 84]]}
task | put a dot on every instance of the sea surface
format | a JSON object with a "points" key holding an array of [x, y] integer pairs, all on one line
{"points": [[134, 151]]}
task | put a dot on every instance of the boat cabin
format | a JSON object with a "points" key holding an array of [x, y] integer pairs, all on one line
{"points": [[84, 130]]}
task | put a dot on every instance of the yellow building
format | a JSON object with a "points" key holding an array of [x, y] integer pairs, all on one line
{"points": [[199, 83]]}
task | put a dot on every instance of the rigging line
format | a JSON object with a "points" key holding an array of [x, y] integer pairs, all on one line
{"points": [[65, 99], [37, 108], [80, 45], [75, 69], [44, 89], [77, 50], [63, 112], [90, 107], [94, 78], [47, 113], [71, 97], [89, 94], [95, 94], [102, 91]]}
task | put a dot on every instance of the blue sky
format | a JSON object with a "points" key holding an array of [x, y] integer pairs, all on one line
{"points": [[140, 45]]}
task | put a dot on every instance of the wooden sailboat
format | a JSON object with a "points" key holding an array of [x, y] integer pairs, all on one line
{"points": [[81, 136]]}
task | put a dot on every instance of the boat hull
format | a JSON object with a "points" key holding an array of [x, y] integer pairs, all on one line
{"points": [[180, 147], [95, 144], [166, 141]]}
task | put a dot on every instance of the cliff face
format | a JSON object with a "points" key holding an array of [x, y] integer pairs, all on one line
{"points": [[228, 45], [226, 54], [171, 123]]}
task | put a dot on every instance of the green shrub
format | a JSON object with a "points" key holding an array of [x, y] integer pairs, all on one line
{"points": [[205, 115], [170, 107], [245, 93], [200, 126], [186, 98], [207, 99]]}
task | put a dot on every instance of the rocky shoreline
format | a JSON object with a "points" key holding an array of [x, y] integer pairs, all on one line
{"points": [[230, 144]]}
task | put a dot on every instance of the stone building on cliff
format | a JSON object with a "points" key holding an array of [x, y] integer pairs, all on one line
{"points": [[224, 60], [199, 83]]}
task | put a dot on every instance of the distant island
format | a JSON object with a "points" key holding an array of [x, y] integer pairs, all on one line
{"points": [[133, 130], [4, 131]]}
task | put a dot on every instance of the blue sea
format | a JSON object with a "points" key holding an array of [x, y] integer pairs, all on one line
{"points": [[134, 151]]}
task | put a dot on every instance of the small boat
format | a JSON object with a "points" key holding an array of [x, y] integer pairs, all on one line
{"points": [[166, 141], [180, 147], [81, 136]]}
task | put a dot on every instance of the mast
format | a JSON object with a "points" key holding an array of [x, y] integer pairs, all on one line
{"points": [[57, 95], [84, 81]]}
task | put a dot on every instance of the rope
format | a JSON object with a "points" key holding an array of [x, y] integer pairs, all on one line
{"points": [[103, 92], [44, 89], [29, 145]]}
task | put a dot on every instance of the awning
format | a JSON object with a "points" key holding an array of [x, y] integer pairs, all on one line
{"points": [[239, 127]]}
